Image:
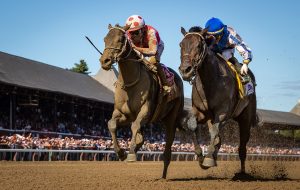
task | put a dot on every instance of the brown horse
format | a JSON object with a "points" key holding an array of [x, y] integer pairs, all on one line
{"points": [[136, 96], [215, 97]]}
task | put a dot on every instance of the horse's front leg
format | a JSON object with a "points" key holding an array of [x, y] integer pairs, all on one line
{"points": [[137, 138], [113, 123], [194, 129], [213, 148], [198, 149]]}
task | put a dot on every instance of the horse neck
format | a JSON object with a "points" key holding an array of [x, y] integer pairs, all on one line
{"points": [[129, 70], [206, 71]]}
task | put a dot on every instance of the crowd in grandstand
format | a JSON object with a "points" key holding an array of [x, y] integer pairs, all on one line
{"points": [[17, 141], [82, 129]]}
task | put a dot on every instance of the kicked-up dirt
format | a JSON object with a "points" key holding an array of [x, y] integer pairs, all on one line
{"points": [[182, 175]]}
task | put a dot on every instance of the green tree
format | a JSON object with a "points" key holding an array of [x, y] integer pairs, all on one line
{"points": [[80, 67]]}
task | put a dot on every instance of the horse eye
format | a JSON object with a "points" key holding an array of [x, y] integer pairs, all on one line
{"points": [[180, 44]]}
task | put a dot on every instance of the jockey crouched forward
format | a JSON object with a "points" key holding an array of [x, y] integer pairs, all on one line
{"points": [[146, 40], [226, 40]]}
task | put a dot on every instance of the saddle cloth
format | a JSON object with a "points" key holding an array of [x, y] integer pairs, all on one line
{"points": [[169, 75], [170, 78]]}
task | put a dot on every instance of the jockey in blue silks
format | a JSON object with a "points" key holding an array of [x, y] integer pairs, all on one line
{"points": [[226, 41]]}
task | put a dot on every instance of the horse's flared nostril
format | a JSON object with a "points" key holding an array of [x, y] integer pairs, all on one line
{"points": [[106, 61], [188, 69]]}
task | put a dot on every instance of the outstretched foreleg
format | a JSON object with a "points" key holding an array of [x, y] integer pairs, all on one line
{"points": [[137, 137], [113, 123], [213, 148]]}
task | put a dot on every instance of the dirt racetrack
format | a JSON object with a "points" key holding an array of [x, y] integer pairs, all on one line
{"points": [[145, 175]]}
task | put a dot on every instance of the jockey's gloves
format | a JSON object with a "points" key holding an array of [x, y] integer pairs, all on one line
{"points": [[246, 61], [244, 69]]}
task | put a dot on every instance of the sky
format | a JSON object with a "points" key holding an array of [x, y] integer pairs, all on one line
{"points": [[53, 32]]}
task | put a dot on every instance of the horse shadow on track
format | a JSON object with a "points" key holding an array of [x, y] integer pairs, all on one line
{"points": [[244, 177]]}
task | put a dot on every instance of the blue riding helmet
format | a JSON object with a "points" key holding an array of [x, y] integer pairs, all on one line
{"points": [[215, 26]]}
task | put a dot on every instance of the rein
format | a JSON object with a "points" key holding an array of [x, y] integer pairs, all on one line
{"points": [[119, 57], [201, 57]]}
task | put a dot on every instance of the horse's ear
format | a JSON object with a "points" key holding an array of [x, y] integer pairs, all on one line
{"points": [[183, 31], [210, 40], [204, 31], [117, 25], [126, 27], [109, 26]]}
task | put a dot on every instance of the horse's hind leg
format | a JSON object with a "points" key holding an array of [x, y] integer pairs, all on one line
{"points": [[244, 125], [170, 134], [170, 123]]}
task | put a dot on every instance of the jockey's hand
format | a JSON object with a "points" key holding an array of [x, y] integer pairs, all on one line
{"points": [[246, 61], [244, 69], [152, 60]]}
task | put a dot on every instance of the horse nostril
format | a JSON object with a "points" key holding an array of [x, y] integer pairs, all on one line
{"points": [[188, 69], [106, 60]]}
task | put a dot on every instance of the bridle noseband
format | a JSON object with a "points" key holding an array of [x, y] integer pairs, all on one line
{"points": [[122, 50], [119, 57]]}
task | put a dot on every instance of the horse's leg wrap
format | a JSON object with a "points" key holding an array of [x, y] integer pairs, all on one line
{"points": [[131, 158], [210, 158]]}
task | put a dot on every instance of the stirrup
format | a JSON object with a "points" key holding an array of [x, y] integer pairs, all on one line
{"points": [[245, 79], [167, 89]]}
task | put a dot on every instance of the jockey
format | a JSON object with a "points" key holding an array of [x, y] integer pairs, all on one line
{"points": [[226, 39], [146, 40]]}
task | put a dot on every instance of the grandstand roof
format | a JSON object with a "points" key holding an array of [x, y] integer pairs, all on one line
{"points": [[107, 78], [279, 119], [270, 119], [296, 108], [28, 73]]}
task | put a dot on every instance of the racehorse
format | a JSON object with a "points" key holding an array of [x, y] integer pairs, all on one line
{"points": [[215, 97], [136, 96]]}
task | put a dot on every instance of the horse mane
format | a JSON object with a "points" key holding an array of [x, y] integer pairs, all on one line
{"points": [[195, 29]]}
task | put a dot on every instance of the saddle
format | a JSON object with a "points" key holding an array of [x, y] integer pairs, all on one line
{"points": [[163, 99], [244, 83]]}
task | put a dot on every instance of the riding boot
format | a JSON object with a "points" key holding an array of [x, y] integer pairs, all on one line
{"points": [[163, 79], [238, 67]]}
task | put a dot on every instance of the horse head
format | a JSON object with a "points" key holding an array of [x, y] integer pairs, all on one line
{"points": [[116, 44], [193, 52]]}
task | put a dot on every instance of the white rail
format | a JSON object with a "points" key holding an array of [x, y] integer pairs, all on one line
{"points": [[109, 155]]}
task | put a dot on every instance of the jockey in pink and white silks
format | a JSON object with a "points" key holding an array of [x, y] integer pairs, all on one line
{"points": [[146, 40], [226, 41]]}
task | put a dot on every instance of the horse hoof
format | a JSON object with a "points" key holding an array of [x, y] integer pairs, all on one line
{"points": [[131, 158], [122, 155], [208, 163], [204, 167]]}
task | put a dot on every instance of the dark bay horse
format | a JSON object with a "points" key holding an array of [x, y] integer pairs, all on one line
{"points": [[215, 97], [136, 96]]}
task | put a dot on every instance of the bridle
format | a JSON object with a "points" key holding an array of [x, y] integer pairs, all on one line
{"points": [[196, 64], [122, 50], [200, 58], [120, 56]]}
